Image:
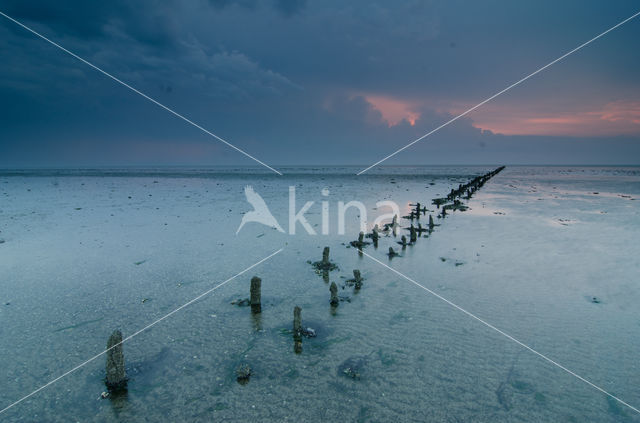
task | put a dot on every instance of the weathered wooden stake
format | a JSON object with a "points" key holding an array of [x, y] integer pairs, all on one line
{"points": [[357, 278], [334, 294], [116, 377], [394, 224], [256, 284], [375, 236], [297, 330], [413, 237], [325, 255], [297, 323]]}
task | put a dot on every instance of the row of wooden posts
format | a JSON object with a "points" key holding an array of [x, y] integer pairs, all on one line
{"points": [[116, 378]]}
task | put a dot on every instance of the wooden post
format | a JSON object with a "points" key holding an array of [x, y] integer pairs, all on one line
{"points": [[375, 236], [256, 295], [334, 294], [297, 322], [297, 330], [394, 224], [116, 379], [357, 278]]}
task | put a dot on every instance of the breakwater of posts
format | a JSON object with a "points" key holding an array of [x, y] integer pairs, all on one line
{"points": [[419, 226]]}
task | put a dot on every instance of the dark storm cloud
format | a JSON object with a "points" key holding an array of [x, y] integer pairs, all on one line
{"points": [[149, 22], [297, 81], [290, 7]]}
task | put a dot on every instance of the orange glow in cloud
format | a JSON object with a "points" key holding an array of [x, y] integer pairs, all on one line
{"points": [[614, 118], [393, 111]]}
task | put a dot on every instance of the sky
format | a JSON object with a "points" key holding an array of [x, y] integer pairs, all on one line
{"points": [[319, 82]]}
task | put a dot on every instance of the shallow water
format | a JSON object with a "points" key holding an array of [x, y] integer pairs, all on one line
{"points": [[88, 251]]}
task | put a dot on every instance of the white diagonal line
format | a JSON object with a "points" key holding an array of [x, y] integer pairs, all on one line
{"points": [[138, 332], [489, 325], [141, 93], [500, 92]]}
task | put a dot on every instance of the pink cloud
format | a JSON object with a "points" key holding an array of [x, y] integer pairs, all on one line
{"points": [[393, 110], [614, 118], [621, 111]]}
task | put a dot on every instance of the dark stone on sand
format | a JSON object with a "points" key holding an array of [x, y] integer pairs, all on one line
{"points": [[309, 332], [243, 373], [352, 367]]}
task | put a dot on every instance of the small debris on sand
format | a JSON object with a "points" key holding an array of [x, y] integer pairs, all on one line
{"points": [[243, 373], [309, 333], [352, 367]]}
